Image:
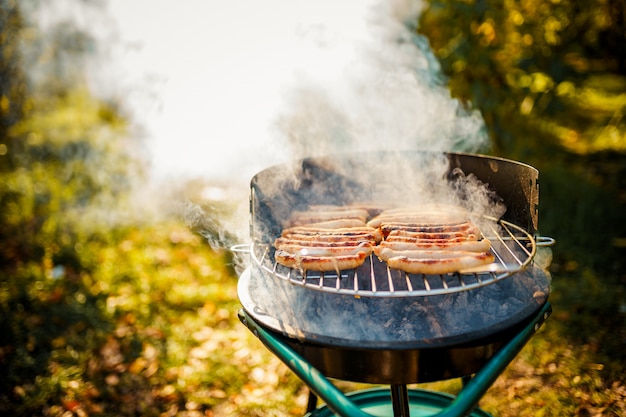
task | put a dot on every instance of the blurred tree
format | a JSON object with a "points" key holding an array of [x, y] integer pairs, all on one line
{"points": [[12, 81], [544, 74], [62, 151], [546, 77], [65, 163]]}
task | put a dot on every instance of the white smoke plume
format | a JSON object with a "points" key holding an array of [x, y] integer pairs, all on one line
{"points": [[376, 90], [390, 95], [354, 76]]}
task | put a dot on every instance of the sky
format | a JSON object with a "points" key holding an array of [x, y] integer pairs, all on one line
{"points": [[221, 90], [207, 80]]}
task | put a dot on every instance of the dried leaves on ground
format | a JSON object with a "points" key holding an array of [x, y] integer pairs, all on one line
{"points": [[145, 323]]}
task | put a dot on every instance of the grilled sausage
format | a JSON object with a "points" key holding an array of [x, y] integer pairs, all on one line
{"points": [[346, 233], [333, 224], [299, 218], [470, 234], [320, 263], [437, 245], [430, 266]]}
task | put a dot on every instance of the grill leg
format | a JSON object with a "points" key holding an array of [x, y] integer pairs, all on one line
{"points": [[312, 402], [400, 401]]}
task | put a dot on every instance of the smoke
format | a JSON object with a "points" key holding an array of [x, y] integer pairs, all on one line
{"points": [[390, 95], [378, 90], [354, 77]]}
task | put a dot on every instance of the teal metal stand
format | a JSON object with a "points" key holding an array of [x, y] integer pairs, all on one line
{"points": [[398, 401]]}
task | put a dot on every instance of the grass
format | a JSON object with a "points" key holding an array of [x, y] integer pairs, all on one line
{"points": [[558, 374], [147, 327], [142, 320]]}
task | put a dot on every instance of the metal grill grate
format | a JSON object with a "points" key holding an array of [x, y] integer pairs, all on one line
{"points": [[512, 246]]}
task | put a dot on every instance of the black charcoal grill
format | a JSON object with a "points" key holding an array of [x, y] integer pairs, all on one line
{"points": [[382, 326]]}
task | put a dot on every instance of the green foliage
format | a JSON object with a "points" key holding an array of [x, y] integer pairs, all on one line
{"points": [[12, 80], [62, 152], [541, 73], [142, 323], [68, 161]]}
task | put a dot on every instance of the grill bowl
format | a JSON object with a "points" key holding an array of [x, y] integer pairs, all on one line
{"points": [[418, 336]]}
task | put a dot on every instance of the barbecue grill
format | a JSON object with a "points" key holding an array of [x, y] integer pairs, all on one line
{"points": [[376, 325]]}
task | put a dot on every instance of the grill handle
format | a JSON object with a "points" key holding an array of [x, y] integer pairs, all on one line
{"points": [[464, 402], [543, 257], [544, 241]]}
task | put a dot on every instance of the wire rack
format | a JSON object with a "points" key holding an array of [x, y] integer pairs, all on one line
{"points": [[512, 247]]}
